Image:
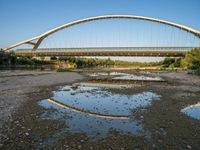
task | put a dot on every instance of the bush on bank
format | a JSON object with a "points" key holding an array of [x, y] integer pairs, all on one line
{"points": [[87, 62], [9, 58], [64, 70], [169, 62], [192, 61]]}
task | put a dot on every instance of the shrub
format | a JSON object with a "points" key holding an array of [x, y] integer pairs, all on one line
{"points": [[24, 61], [197, 72], [7, 58], [192, 59], [63, 70], [168, 61], [177, 62]]}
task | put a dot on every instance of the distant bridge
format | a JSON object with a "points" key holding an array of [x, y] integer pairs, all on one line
{"points": [[107, 51]]}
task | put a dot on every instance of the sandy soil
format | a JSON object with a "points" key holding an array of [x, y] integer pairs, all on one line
{"points": [[168, 128]]}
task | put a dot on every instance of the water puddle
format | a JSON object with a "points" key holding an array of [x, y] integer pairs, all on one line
{"points": [[137, 78], [192, 111], [107, 83], [126, 76], [106, 74], [95, 111], [119, 80]]}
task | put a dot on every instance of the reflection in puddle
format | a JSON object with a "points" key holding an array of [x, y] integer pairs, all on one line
{"points": [[192, 111], [106, 83], [107, 74], [125, 76], [119, 80], [95, 111], [87, 112]]}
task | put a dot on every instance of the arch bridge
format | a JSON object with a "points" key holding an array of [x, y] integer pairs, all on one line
{"points": [[35, 42]]}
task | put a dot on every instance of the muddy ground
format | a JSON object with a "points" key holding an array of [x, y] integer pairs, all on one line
{"points": [[21, 126]]}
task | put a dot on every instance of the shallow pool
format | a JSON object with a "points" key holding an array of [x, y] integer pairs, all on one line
{"points": [[96, 111], [192, 111]]}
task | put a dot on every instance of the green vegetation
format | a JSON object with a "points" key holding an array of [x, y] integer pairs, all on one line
{"points": [[9, 58], [63, 70], [87, 62], [171, 63], [94, 62], [137, 64], [168, 61], [192, 61]]}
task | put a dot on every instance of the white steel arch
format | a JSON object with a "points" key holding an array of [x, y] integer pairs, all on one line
{"points": [[41, 37]]}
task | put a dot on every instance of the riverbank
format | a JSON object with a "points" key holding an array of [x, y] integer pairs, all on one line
{"points": [[167, 128]]}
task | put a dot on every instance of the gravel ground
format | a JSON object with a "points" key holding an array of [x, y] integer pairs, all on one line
{"points": [[16, 85], [168, 128]]}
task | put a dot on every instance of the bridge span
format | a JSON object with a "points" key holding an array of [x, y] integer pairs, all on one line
{"points": [[107, 51]]}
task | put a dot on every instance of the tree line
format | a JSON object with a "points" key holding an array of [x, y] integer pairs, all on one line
{"points": [[190, 61], [9, 58]]}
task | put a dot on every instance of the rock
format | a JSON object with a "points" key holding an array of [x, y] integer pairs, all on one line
{"points": [[73, 93], [66, 146], [188, 146], [91, 148], [137, 148], [160, 141], [27, 134], [79, 146], [81, 141]]}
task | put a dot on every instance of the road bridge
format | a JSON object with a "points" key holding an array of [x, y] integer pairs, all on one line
{"points": [[107, 51]]}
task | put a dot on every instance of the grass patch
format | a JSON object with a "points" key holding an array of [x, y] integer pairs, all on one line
{"points": [[64, 70]]}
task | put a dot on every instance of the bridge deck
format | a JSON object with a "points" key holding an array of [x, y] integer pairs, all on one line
{"points": [[109, 51]]}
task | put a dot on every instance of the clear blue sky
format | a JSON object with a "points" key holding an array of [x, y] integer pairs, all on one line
{"points": [[22, 19]]}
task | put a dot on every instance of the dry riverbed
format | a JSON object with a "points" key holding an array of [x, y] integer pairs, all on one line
{"points": [[19, 87], [22, 127]]}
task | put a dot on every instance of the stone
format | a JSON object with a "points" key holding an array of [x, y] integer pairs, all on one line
{"points": [[79, 146], [188, 146], [27, 134], [81, 141]]}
